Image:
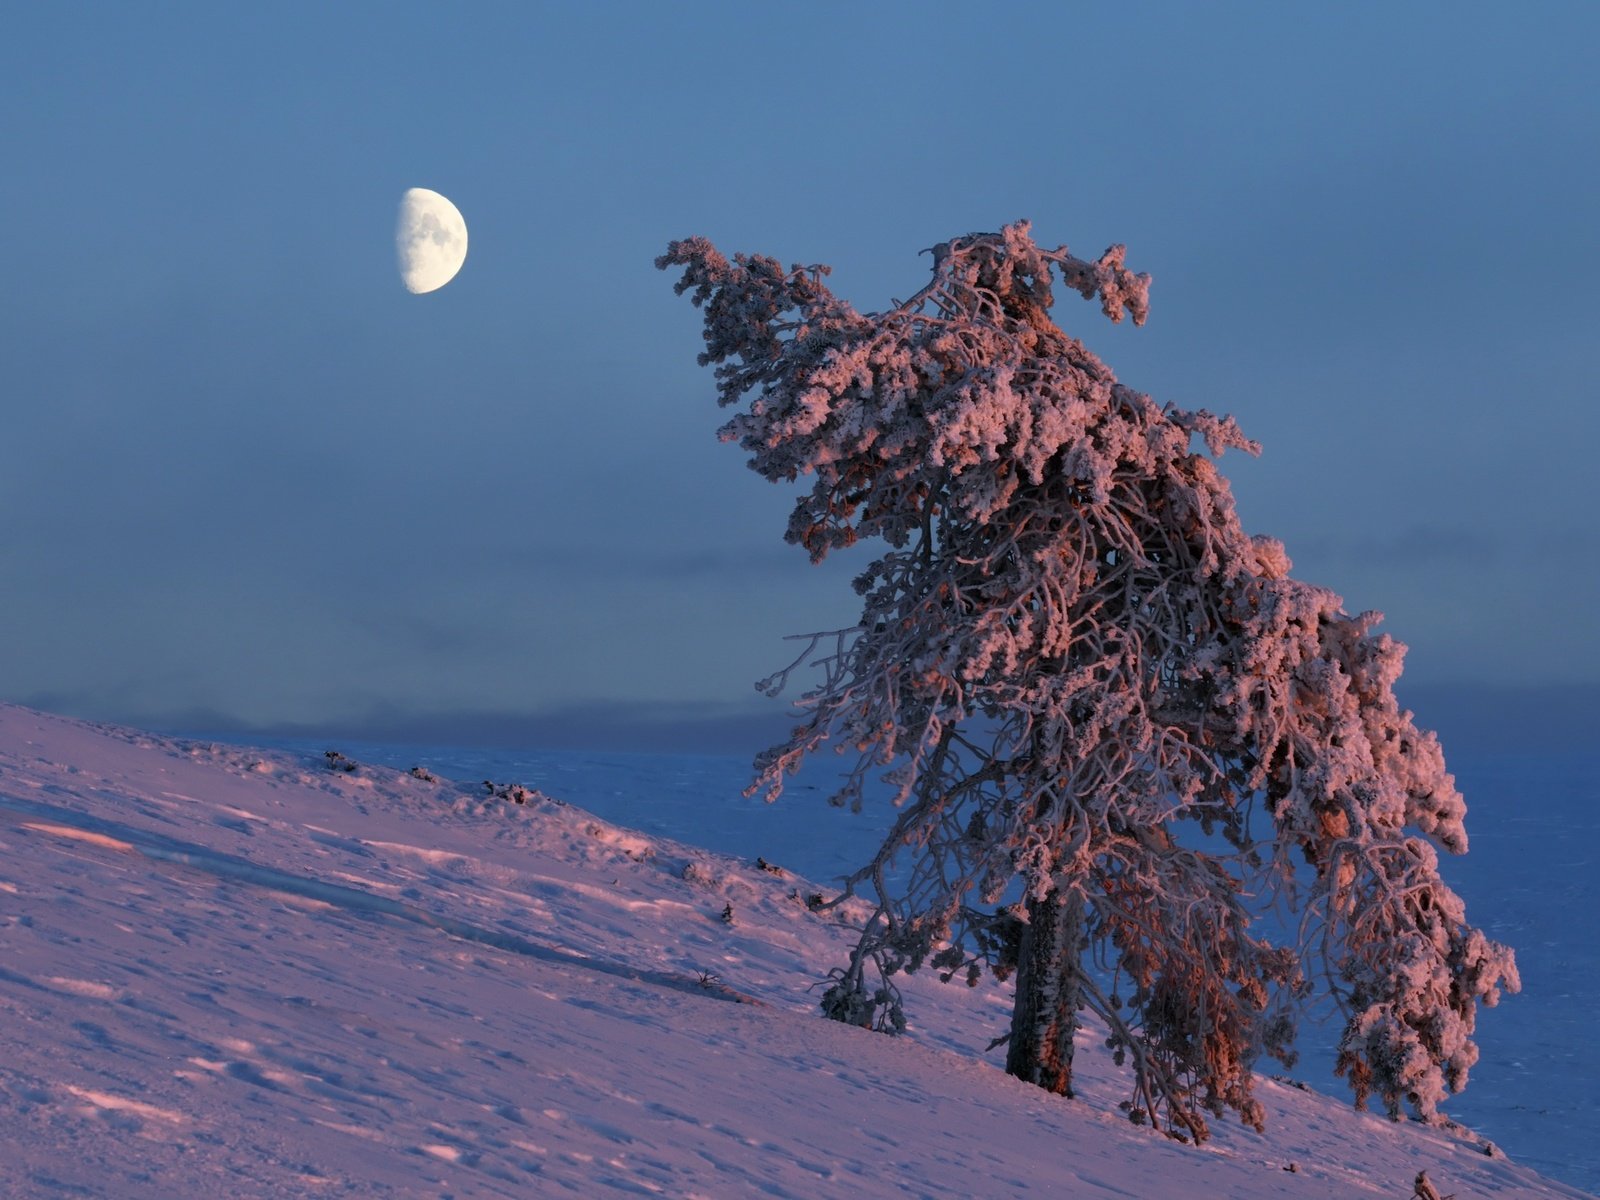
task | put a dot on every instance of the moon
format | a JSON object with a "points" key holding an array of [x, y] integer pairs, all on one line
{"points": [[430, 240]]}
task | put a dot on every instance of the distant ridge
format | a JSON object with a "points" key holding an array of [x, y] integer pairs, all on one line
{"points": [[1497, 718], [1504, 719]]}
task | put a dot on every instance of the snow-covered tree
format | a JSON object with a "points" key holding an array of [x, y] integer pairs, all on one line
{"points": [[1118, 732]]}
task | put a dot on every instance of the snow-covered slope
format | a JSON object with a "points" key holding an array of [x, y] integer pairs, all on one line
{"points": [[238, 974]]}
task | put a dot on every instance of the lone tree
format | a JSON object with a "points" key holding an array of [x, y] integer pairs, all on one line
{"points": [[1118, 732]]}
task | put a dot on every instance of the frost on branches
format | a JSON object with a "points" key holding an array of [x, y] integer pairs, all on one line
{"points": [[1115, 726]]}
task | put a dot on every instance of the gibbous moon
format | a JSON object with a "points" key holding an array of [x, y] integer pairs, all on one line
{"points": [[430, 240]]}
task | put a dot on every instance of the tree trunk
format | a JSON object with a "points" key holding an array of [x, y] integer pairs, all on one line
{"points": [[1049, 994]]}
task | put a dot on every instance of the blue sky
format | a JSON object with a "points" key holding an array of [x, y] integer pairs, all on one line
{"points": [[250, 480]]}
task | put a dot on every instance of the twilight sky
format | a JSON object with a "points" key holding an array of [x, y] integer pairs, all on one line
{"points": [[248, 479]]}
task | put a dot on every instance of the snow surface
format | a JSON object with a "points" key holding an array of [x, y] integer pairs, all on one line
{"points": [[239, 973]]}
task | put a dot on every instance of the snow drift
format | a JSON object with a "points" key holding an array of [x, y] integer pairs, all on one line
{"points": [[244, 973]]}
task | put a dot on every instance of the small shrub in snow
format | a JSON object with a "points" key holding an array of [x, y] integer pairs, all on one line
{"points": [[696, 872], [514, 792], [1088, 685]]}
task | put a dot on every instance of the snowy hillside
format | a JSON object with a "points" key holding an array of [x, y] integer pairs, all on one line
{"points": [[238, 973]]}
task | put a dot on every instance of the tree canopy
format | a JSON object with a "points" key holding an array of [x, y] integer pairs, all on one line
{"points": [[1119, 733]]}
